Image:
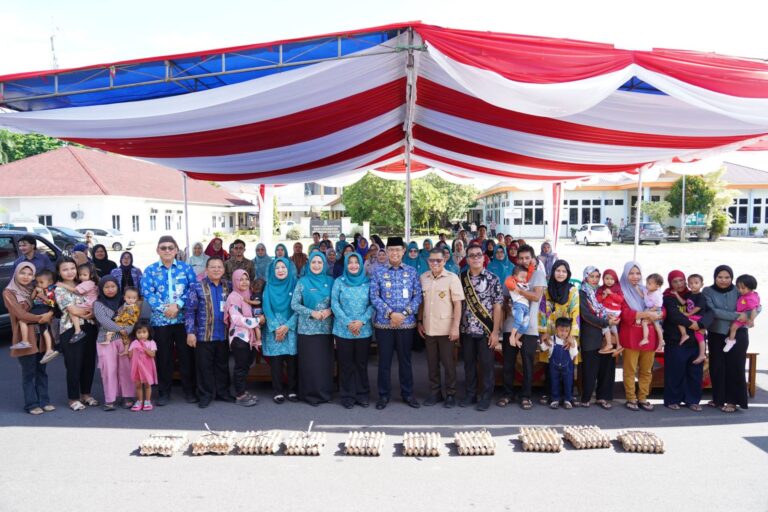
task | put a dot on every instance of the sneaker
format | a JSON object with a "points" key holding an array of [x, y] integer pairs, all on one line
{"points": [[137, 406], [49, 356], [148, 405], [77, 337], [729, 343], [21, 345]]}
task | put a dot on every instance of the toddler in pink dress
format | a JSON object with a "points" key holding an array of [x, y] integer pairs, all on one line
{"points": [[143, 370], [748, 304]]}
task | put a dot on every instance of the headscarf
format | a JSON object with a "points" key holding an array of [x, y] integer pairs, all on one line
{"points": [[113, 303], [357, 279], [489, 248], [450, 265], [616, 288], [238, 297], [559, 291], [317, 287], [299, 259], [285, 251], [407, 259], [675, 274], [633, 298], [547, 259], [126, 278], [198, 262], [424, 252], [221, 253], [372, 265], [261, 263], [331, 266], [502, 268], [719, 269], [341, 243], [362, 251], [457, 256], [23, 293], [278, 292], [591, 294], [379, 241], [103, 266]]}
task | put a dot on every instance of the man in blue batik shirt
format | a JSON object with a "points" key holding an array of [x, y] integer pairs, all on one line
{"points": [[396, 295], [165, 286]]}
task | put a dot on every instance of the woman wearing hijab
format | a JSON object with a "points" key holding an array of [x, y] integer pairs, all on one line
{"points": [[198, 259], [104, 266], [561, 300], [598, 371], [682, 378], [216, 248], [279, 336], [547, 257], [500, 264], [362, 247], [729, 387], [378, 241], [489, 248], [352, 313], [17, 298], [113, 361], [412, 259], [243, 333], [261, 262], [312, 303], [338, 267], [512, 254], [450, 264], [128, 275], [458, 251], [426, 246], [638, 359], [341, 244], [371, 261], [299, 258]]}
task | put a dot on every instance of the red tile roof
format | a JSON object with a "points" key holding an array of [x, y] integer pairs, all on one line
{"points": [[74, 171]]}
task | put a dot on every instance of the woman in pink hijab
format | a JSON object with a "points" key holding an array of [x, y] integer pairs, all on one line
{"points": [[244, 334]]}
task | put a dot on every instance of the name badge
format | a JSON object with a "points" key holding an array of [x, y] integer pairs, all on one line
{"points": [[221, 306], [405, 293]]}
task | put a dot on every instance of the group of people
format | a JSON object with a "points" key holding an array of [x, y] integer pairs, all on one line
{"points": [[305, 313]]}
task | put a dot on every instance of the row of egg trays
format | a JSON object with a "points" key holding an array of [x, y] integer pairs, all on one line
{"points": [[415, 444]]}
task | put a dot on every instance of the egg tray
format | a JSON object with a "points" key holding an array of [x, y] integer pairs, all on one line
{"points": [[260, 442], [640, 441], [421, 444], [305, 443], [366, 443], [217, 443], [584, 437], [166, 444], [478, 442], [540, 439]]}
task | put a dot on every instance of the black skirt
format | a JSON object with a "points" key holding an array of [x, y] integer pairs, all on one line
{"points": [[316, 359]]}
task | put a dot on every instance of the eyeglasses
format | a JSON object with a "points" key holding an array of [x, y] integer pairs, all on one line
{"points": [[436, 261], [166, 247], [475, 256]]}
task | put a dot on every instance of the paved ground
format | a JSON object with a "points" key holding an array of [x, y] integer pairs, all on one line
{"points": [[87, 461]]}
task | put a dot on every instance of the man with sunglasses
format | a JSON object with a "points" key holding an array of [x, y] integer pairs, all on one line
{"points": [[438, 323], [165, 287], [480, 325]]}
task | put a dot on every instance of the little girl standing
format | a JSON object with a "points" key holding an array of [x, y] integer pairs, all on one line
{"points": [[612, 299], [748, 304], [143, 371]]}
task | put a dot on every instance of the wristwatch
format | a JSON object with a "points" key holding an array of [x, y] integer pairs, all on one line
{"points": [[405, 312]]}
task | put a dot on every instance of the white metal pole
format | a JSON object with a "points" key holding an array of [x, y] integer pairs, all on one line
{"points": [[407, 192], [682, 215], [186, 217], [637, 212], [408, 127]]}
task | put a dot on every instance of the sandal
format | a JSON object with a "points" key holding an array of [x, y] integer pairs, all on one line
{"points": [[554, 405], [37, 411], [632, 405], [712, 404], [695, 407], [278, 399], [605, 404], [567, 405], [526, 404], [646, 405], [77, 405], [674, 407], [90, 401], [544, 400], [585, 405], [109, 407], [503, 402], [728, 408], [49, 408]]}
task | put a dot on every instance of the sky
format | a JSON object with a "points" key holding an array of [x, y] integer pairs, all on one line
{"points": [[91, 32]]}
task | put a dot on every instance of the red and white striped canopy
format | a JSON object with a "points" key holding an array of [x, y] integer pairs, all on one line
{"points": [[485, 104]]}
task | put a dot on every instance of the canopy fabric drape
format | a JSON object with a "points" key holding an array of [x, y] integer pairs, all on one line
{"points": [[489, 105]]}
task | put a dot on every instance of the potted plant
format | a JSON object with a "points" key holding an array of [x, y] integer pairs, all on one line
{"points": [[573, 232], [765, 233], [718, 226], [752, 230]]}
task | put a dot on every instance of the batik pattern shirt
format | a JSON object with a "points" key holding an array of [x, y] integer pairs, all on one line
{"points": [[204, 311], [395, 290], [488, 290], [161, 285]]}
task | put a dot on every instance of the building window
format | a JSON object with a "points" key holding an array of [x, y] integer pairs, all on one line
{"points": [[167, 222], [45, 220], [618, 202], [518, 202], [116, 222], [231, 221], [213, 221], [738, 211], [178, 222], [135, 223], [609, 202], [153, 222], [573, 215]]}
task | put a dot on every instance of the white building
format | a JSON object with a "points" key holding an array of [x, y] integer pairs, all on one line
{"points": [[83, 188], [596, 203]]}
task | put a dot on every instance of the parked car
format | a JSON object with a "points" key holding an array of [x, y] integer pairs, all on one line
{"points": [[649, 232], [593, 234], [111, 238], [9, 252], [66, 238], [30, 227]]}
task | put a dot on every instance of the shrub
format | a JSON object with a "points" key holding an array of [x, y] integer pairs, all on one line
{"points": [[719, 224], [293, 234]]}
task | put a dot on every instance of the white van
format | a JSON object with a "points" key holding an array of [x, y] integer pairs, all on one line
{"points": [[32, 227]]}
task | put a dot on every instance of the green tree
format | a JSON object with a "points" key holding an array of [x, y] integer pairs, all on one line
{"points": [[657, 211], [699, 197], [376, 200], [15, 146], [275, 217]]}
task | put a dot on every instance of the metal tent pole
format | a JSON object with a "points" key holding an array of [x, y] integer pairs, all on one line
{"points": [[408, 127], [682, 215], [186, 217], [637, 212]]}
